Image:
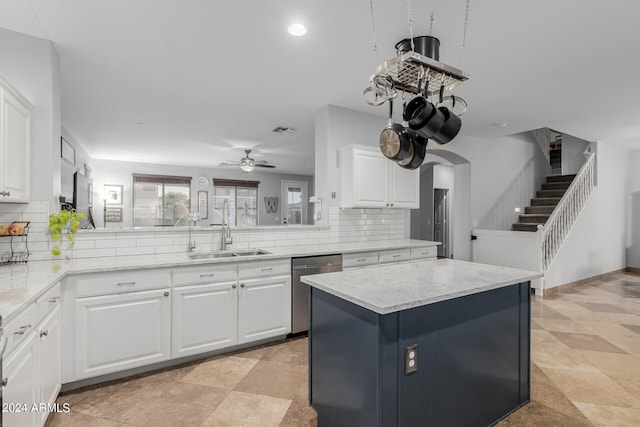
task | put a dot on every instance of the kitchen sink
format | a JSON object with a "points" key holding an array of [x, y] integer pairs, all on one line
{"points": [[250, 252], [209, 255]]}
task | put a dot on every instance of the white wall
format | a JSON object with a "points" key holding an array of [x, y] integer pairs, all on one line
{"points": [[572, 157], [597, 243], [633, 223], [335, 128], [31, 65], [120, 173]]}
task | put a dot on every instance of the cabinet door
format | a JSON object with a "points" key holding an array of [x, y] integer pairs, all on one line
{"points": [[205, 318], [118, 332], [404, 187], [50, 359], [370, 188], [264, 308], [15, 149], [20, 393]]}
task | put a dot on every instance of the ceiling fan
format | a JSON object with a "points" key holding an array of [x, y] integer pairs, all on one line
{"points": [[247, 164]]}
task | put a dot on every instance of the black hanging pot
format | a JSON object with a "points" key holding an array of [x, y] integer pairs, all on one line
{"points": [[424, 45], [450, 128], [423, 117], [395, 142], [418, 152]]}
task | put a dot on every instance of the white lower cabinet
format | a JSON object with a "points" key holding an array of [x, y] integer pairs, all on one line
{"points": [[122, 331], [49, 335], [21, 390], [264, 308], [205, 318], [32, 368]]}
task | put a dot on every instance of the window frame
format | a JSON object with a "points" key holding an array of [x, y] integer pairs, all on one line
{"points": [[236, 183], [164, 180]]}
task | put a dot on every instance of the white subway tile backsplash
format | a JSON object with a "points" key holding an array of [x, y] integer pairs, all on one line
{"points": [[345, 225]]}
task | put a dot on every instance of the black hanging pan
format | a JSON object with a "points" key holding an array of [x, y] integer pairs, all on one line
{"points": [[419, 145], [395, 143]]}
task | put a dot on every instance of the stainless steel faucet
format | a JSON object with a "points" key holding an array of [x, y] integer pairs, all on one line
{"points": [[225, 231]]}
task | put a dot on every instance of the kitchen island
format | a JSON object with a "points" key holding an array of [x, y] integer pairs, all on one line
{"points": [[432, 343]]}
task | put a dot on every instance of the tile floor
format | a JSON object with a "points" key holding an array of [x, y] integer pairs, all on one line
{"points": [[585, 371]]}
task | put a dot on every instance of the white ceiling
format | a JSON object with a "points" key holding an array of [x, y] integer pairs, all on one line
{"points": [[195, 82]]}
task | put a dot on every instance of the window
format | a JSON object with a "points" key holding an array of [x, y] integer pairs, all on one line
{"points": [[161, 200], [243, 201]]}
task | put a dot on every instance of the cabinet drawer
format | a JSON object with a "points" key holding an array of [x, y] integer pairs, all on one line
{"points": [[266, 268], [424, 253], [20, 327], [391, 256], [359, 259], [120, 282], [214, 273], [48, 301]]}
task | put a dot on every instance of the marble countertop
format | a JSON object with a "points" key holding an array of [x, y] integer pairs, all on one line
{"points": [[21, 284], [393, 288]]}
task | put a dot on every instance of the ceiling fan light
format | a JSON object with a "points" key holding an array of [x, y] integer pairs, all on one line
{"points": [[247, 165]]}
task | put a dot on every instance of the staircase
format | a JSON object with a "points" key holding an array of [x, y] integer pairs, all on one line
{"points": [[543, 205]]}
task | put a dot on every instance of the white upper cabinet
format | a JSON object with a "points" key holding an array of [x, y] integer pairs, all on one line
{"points": [[370, 180], [15, 145]]}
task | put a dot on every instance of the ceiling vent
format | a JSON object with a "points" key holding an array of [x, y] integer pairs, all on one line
{"points": [[283, 129]]}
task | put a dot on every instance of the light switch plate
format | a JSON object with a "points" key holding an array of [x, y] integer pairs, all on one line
{"points": [[410, 359]]}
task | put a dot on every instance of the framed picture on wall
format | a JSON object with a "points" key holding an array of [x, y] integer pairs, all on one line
{"points": [[67, 152], [203, 204], [113, 194]]}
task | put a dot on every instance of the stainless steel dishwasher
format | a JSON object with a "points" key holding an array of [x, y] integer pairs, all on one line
{"points": [[300, 291]]}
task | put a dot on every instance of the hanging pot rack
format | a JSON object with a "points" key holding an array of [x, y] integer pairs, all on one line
{"points": [[408, 70]]}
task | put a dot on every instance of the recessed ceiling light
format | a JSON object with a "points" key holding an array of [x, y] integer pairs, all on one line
{"points": [[297, 30]]}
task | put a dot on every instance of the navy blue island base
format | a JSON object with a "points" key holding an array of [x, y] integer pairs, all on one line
{"points": [[473, 356]]}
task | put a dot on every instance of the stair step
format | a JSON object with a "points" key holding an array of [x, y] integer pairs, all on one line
{"points": [[560, 178], [550, 193], [561, 185], [545, 201], [525, 227], [539, 209], [533, 218]]}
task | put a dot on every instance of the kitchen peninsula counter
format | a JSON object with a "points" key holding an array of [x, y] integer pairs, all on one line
{"points": [[21, 284], [467, 326]]}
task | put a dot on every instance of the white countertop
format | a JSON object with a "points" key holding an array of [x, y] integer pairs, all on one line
{"points": [[393, 288], [21, 284]]}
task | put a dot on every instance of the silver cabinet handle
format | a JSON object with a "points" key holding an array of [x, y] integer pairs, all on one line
{"points": [[126, 283], [54, 299], [267, 269], [22, 330], [5, 193], [5, 381], [396, 256], [361, 260], [166, 294], [234, 286], [202, 276], [242, 285], [44, 333]]}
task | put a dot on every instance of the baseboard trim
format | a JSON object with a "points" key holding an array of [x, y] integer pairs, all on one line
{"points": [[633, 270], [568, 287]]}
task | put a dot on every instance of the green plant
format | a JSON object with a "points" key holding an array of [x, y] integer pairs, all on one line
{"points": [[65, 220]]}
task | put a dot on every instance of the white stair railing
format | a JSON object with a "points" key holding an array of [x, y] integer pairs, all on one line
{"points": [[566, 213]]}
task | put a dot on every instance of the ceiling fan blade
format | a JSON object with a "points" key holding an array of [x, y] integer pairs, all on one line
{"points": [[261, 162], [264, 166], [228, 164]]}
